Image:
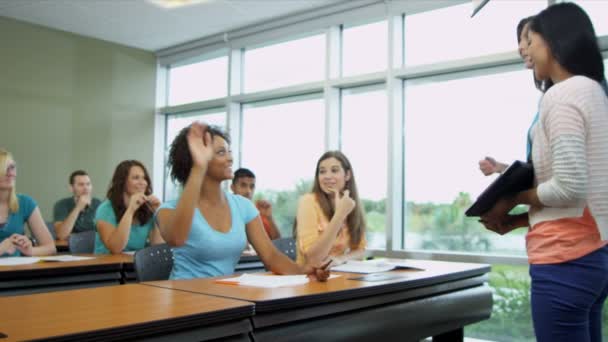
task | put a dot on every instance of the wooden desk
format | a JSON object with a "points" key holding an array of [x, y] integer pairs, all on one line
{"points": [[438, 301], [126, 312], [53, 276]]}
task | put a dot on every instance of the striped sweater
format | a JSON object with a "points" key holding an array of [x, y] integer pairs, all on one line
{"points": [[570, 153]]}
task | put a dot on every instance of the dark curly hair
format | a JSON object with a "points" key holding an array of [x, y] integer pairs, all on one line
{"points": [[180, 160], [118, 186]]}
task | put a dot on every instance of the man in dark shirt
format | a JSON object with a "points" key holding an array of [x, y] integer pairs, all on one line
{"points": [[76, 213]]}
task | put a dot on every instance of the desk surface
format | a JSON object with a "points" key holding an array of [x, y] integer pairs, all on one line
{"points": [[336, 289], [113, 311], [103, 261]]}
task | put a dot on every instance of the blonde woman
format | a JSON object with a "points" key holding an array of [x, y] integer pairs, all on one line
{"points": [[16, 210]]}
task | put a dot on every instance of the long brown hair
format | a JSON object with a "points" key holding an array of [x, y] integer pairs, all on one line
{"points": [[356, 219], [118, 186]]}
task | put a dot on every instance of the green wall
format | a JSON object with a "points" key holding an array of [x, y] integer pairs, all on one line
{"points": [[70, 102]]}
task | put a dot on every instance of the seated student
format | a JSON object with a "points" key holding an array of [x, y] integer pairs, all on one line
{"points": [[125, 220], [243, 184], [207, 226], [330, 223], [76, 213], [17, 209]]}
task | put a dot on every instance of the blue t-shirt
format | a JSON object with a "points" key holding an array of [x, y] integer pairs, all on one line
{"points": [[138, 237], [16, 221], [208, 252]]}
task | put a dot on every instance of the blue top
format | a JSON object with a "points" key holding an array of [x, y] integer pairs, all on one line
{"points": [[208, 252], [138, 237], [16, 221]]}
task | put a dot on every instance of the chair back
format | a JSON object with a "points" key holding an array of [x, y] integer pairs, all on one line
{"points": [[83, 242], [153, 263], [287, 246]]}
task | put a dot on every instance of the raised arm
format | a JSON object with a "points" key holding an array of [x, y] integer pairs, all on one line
{"points": [[175, 224], [316, 247], [116, 238], [64, 222]]}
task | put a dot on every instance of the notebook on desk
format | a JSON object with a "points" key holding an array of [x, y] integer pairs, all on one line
{"points": [[519, 176]]}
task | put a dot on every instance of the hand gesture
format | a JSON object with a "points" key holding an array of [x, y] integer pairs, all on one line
{"points": [[318, 272], [7, 246], [200, 144], [153, 201], [83, 201], [488, 166], [136, 201], [22, 243], [264, 207], [344, 204]]}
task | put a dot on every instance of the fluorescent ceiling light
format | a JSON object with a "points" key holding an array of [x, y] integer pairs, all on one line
{"points": [[169, 4]]}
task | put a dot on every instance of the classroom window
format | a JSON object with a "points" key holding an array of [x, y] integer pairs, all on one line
{"points": [[365, 48], [450, 33], [281, 142], [285, 64], [364, 134], [198, 81], [597, 11], [175, 123], [450, 124]]}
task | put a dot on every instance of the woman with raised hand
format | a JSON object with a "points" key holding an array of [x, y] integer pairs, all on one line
{"points": [[15, 211], [125, 220], [208, 227], [330, 222]]}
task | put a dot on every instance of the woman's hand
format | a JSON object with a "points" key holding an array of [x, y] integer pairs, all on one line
{"points": [[318, 272], [153, 201], [344, 204], [22, 243], [136, 201], [498, 219], [200, 144], [7, 246], [490, 166]]}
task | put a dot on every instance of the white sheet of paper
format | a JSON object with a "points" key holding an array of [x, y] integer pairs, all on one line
{"points": [[14, 261], [65, 258], [268, 281], [367, 266]]}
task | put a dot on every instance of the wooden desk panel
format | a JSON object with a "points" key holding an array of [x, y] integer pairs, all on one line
{"points": [[126, 311], [430, 302], [52, 275]]}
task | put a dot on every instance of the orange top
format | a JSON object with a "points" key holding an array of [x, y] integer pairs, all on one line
{"points": [[312, 222], [562, 240]]}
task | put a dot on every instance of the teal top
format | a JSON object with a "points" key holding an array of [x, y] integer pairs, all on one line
{"points": [[15, 224], [138, 237], [208, 252]]}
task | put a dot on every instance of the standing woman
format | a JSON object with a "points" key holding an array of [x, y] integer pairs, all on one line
{"points": [[125, 220], [17, 209], [330, 222], [568, 215], [207, 226]]}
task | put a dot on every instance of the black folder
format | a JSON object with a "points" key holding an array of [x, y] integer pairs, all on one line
{"points": [[519, 176]]}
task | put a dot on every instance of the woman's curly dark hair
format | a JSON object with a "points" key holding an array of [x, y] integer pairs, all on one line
{"points": [[180, 160]]}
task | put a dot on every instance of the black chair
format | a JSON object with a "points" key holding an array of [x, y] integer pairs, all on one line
{"points": [[153, 263], [83, 242], [287, 246]]}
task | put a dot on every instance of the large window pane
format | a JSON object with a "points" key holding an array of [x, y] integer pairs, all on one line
{"points": [[293, 62], [199, 81], [364, 141], [598, 11], [175, 123], [365, 48], [449, 126], [281, 143], [450, 33]]}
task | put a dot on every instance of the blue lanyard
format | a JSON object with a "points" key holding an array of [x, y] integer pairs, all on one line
{"points": [[529, 144]]}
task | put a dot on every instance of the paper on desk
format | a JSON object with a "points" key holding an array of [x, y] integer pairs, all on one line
{"points": [[14, 261], [267, 281], [65, 258], [374, 266]]}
